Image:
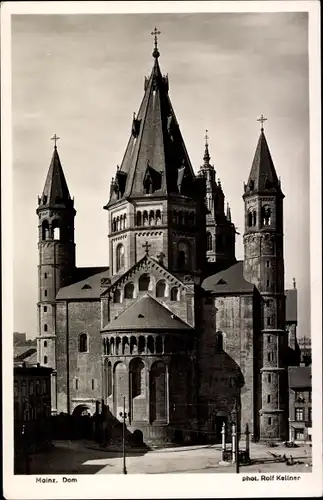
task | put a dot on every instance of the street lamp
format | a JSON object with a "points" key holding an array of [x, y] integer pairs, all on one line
{"points": [[124, 416]]}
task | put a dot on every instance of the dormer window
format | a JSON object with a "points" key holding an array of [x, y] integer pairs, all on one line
{"points": [[44, 200], [251, 185]]}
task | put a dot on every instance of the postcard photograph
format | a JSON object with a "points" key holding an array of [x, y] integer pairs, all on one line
{"points": [[161, 250]]}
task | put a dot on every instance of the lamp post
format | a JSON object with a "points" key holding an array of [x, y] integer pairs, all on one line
{"points": [[124, 416]]}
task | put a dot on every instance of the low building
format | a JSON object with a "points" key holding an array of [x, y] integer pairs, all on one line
{"points": [[300, 403], [305, 350]]}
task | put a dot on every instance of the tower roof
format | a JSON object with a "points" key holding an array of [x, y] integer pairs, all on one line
{"points": [[263, 177], [55, 190], [156, 161]]}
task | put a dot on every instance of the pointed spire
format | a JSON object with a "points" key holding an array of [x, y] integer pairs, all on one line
{"points": [[206, 156], [263, 177], [55, 190]]}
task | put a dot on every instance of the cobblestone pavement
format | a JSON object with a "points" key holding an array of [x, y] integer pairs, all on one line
{"points": [[77, 457]]}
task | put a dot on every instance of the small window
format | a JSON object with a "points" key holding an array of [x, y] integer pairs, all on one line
{"points": [[129, 291], [269, 420], [45, 293], [117, 297], [269, 378], [267, 263], [310, 414], [249, 219], [174, 294], [45, 309], [268, 398], [45, 328], [76, 384], [268, 321], [45, 343], [92, 384], [208, 241], [267, 283], [83, 347], [45, 275], [269, 339], [299, 434], [299, 414], [144, 282], [161, 289], [45, 360], [269, 356]]}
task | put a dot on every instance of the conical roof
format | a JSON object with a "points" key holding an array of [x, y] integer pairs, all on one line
{"points": [[55, 190], [147, 314], [156, 161], [263, 177]]}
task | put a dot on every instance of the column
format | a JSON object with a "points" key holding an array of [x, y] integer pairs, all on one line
{"points": [[148, 394], [167, 393]]}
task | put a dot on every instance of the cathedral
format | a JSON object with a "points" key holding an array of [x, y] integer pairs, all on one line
{"points": [[175, 330]]}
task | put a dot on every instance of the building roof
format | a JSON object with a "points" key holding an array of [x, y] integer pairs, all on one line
{"points": [[291, 305], [55, 191], [86, 289], [229, 280], [25, 353], [31, 369], [263, 177], [299, 377], [156, 155], [147, 313]]}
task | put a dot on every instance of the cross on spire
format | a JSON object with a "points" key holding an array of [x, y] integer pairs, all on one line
{"points": [[155, 34], [262, 119], [206, 137], [146, 246], [55, 138]]}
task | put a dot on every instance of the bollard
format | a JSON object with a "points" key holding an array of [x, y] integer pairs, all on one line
{"points": [[223, 441], [247, 441], [234, 437]]}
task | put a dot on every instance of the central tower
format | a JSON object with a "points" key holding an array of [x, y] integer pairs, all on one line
{"points": [[155, 195]]}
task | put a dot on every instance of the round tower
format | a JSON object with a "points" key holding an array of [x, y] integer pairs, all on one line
{"points": [[264, 267], [56, 258]]}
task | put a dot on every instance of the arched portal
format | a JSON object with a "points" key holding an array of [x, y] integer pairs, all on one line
{"points": [[82, 411], [158, 392]]}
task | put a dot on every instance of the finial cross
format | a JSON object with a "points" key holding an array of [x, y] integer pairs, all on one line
{"points": [[55, 138], [146, 246], [262, 119], [206, 137], [155, 33]]}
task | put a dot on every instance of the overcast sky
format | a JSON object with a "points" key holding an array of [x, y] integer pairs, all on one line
{"points": [[82, 77]]}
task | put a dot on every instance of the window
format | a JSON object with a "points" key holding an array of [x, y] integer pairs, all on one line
{"points": [[56, 230], [92, 382], [269, 378], [138, 218], [267, 283], [310, 414], [266, 215], [45, 360], [45, 343], [45, 309], [268, 321], [310, 396], [269, 356], [267, 263], [174, 294], [254, 218], [24, 388], [219, 341], [249, 217], [299, 397], [45, 230], [161, 289], [45, 293], [183, 256], [120, 257], [269, 420], [299, 414], [129, 290], [137, 369], [144, 282], [208, 241], [83, 347], [45, 328], [299, 434], [45, 275], [76, 384], [117, 297], [158, 217], [269, 339], [268, 398], [31, 387]]}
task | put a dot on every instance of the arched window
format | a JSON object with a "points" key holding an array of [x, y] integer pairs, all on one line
{"points": [[56, 229], [83, 343], [151, 344], [151, 218], [137, 370], [174, 294], [219, 341], [144, 282], [45, 230], [159, 345], [45, 328], [45, 343], [181, 259], [114, 224], [141, 344], [145, 218], [129, 290], [183, 256], [120, 257], [117, 297], [161, 288], [158, 217], [249, 217], [139, 218], [208, 241], [254, 218], [109, 384], [266, 215], [45, 360]]}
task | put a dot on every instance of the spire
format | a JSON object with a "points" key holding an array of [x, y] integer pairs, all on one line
{"points": [[55, 190], [156, 161], [206, 156], [263, 177]]}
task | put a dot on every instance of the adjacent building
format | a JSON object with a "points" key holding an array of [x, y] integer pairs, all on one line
{"points": [[300, 403]]}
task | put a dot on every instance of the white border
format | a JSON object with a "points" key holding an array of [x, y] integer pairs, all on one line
{"points": [[155, 486]]}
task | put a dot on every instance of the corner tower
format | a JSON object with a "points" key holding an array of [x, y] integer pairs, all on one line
{"points": [[56, 257], [220, 231], [264, 267], [155, 195]]}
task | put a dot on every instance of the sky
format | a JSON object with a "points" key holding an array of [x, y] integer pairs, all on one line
{"points": [[82, 77]]}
